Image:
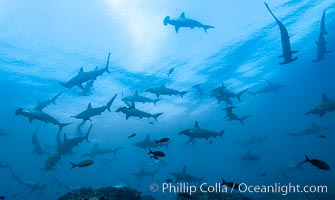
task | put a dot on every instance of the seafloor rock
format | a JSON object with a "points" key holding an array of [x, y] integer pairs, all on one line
{"points": [[106, 193]]}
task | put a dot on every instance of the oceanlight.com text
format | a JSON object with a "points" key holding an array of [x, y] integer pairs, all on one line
{"points": [[278, 188]]}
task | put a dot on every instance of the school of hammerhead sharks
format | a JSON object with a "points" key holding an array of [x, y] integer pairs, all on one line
{"points": [[85, 81]]}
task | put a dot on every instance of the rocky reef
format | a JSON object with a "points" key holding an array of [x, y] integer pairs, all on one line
{"points": [[105, 193]]}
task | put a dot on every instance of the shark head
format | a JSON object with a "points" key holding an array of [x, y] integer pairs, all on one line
{"points": [[19, 111], [121, 109], [166, 20]]}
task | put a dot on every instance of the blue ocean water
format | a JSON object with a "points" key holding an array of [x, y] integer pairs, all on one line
{"points": [[44, 43]]}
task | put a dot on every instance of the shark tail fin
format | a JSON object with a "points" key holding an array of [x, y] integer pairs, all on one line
{"points": [[238, 95], [155, 116], [108, 106], [88, 133], [183, 93], [252, 93], [205, 27], [244, 118], [53, 100], [150, 152], [221, 133], [223, 181], [307, 159], [62, 125], [107, 64], [73, 165], [155, 101]]}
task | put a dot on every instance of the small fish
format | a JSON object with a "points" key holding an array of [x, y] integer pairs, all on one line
{"points": [[262, 175], [163, 140], [318, 163], [84, 163], [232, 185], [156, 154], [322, 136], [132, 135], [170, 71], [152, 123]]}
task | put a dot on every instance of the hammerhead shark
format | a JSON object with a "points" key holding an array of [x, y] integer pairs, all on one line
{"points": [[325, 106], [34, 186], [102, 151], [182, 21], [312, 129], [222, 93], [183, 176], [36, 143], [136, 98], [270, 87], [65, 146], [249, 157], [90, 112], [142, 173], [148, 143], [133, 111], [32, 114], [197, 132], [42, 104], [232, 116], [83, 77], [285, 41], [321, 43], [163, 90]]}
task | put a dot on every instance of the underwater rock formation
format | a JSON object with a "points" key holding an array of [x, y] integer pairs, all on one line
{"points": [[105, 193]]}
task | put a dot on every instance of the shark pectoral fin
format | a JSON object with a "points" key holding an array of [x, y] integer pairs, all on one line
{"points": [[176, 28], [81, 86], [30, 120], [127, 117]]}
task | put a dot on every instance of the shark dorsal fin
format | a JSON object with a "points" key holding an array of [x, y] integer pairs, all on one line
{"points": [[81, 70], [184, 170], [196, 124], [89, 107], [148, 137], [136, 93], [163, 86], [325, 98], [182, 15], [96, 68], [132, 105]]}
